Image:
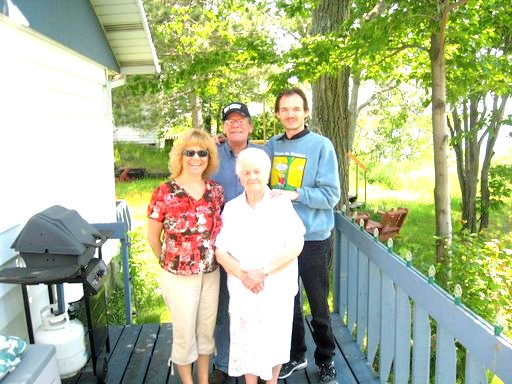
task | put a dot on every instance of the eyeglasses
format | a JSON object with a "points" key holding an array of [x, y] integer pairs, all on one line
{"points": [[192, 153], [232, 123]]}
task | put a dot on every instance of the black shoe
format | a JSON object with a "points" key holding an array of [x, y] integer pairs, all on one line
{"points": [[327, 373], [292, 366], [217, 377]]}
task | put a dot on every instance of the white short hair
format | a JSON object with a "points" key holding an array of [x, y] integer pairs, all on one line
{"points": [[254, 155]]}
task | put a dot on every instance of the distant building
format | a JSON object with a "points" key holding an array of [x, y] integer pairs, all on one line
{"points": [[136, 135]]}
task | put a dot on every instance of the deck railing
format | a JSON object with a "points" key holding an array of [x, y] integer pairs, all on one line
{"points": [[401, 318]]}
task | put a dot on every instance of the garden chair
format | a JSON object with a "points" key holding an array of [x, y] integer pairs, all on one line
{"points": [[390, 223]]}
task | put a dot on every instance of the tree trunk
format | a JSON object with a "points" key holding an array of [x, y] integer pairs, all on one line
{"points": [[353, 109], [330, 117], [330, 112], [464, 134], [196, 109], [494, 130], [441, 150]]}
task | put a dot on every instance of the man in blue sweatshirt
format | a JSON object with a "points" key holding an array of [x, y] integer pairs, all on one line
{"points": [[305, 168]]}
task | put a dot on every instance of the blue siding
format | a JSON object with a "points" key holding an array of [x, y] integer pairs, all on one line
{"points": [[73, 23]]}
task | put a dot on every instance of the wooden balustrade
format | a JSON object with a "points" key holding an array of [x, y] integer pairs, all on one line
{"points": [[403, 321]]}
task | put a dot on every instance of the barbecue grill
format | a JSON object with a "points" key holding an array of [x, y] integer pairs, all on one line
{"points": [[58, 246], [57, 237]]}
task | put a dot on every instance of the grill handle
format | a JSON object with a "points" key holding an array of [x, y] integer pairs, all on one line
{"points": [[102, 240]]}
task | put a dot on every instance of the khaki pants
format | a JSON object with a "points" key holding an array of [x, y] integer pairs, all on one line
{"points": [[192, 301]]}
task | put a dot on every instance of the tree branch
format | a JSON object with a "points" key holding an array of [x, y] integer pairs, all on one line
{"points": [[374, 96], [394, 51], [456, 4], [376, 11]]}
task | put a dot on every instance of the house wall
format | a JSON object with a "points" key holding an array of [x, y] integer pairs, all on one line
{"points": [[72, 23], [55, 146]]}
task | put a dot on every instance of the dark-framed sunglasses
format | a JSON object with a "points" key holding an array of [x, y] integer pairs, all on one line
{"points": [[192, 153]]}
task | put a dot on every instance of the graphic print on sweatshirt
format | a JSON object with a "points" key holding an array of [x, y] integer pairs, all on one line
{"points": [[287, 171]]}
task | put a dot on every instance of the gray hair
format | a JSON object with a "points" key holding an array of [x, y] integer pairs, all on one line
{"points": [[254, 155]]}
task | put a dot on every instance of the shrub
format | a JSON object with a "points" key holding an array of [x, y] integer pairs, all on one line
{"points": [[153, 159], [483, 270], [147, 304]]}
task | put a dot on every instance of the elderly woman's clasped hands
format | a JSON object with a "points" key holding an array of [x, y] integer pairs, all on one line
{"points": [[253, 280]]}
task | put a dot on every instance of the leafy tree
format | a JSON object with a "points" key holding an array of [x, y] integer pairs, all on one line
{"points": [[211, 52], [394, 127], [376, 36], [479, 93]]}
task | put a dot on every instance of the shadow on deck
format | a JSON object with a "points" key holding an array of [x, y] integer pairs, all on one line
{"points": [[139, 354]]}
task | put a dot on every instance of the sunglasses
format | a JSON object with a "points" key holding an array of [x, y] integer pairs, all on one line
{"points": [[192, 153]]}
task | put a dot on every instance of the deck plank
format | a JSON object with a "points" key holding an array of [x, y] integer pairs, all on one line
{"points": [[141, 355], [114, 333], [120, 355], [350, 352], [344, 373], [157, 374], [311, 371]]}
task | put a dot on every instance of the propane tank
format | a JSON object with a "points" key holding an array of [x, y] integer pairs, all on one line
{"points": [[68, 338]]}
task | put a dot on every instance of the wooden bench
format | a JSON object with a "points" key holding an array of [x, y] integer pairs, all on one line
{"points": [[390, 223]]}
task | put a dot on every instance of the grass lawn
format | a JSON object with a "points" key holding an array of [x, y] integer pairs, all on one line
{"points": [[416, 236]]}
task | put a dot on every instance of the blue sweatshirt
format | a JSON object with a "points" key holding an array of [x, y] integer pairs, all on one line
{"points": [[307, 163]]}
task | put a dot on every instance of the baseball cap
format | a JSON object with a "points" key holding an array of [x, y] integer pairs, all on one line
{"points": [[236, 106]]}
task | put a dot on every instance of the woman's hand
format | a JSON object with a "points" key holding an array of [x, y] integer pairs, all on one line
{"points": [[253, 280]]}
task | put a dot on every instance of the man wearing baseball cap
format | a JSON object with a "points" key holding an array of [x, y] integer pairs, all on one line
{"points": [[237, 126], [238, 107]]}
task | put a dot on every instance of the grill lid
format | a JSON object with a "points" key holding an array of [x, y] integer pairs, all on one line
{"points": [[57, 231]]}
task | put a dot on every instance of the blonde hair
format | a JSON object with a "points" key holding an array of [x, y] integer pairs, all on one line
{"points": [[190, 138]]}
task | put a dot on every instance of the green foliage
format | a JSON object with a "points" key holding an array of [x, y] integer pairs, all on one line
{"points": [[394, 128], [153, 159], [219, 53], [500, 185], [148, 304], [482, 268], [382, 174], [137, 104], [265, 125]]}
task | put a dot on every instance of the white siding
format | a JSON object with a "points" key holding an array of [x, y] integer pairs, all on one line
{"points": [[135, 135], [55, 144]]}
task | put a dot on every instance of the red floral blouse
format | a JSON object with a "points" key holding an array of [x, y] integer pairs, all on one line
{"points": [[190, 227]]}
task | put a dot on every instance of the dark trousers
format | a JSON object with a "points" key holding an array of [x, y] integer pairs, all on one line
{"points": [[221, 334], [314, 273]]}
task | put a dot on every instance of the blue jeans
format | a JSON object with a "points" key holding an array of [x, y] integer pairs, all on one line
{"points": [[314, 272], [221, 334]]}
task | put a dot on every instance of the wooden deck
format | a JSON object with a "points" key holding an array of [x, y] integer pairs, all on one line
{"points": [[139, 354]]}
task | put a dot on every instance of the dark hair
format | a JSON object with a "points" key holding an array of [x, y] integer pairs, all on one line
{"points": [[290, 92]]}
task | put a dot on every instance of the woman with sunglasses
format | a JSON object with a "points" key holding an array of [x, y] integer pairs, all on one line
{"points": [[184, 220]]}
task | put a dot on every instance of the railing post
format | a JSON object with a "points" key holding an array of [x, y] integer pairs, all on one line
{"points": [[120, 231]]}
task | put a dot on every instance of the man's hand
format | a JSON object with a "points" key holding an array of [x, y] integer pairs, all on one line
{"points": [[292, 195], [219, 139]]}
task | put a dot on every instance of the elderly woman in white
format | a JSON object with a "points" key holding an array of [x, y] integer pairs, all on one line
{"points": [[258, 246]]}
